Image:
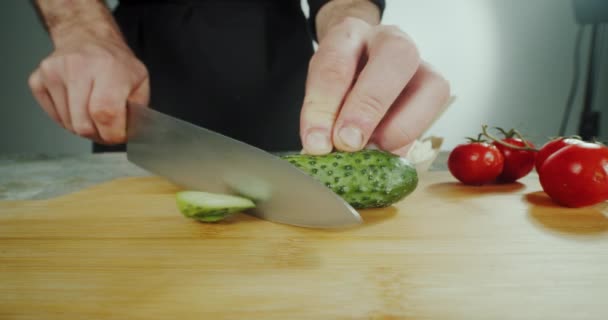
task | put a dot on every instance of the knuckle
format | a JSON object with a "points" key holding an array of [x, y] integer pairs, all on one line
{"points": [[349, 29], [391, 30], [84, 129], [319, 112], [141, 69], [34, 82], [333, 66], [51, 68], [104, 115], [443, 86], [438, 82], [392, 38], [48, 64], [405, 49], [369, 106], [140, 72], [350, 22], [115, 137]]}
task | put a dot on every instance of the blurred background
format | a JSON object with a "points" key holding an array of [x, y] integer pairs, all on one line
{"points": [[519, 63]]}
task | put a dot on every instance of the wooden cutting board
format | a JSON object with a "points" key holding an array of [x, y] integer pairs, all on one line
{"points": [[121, 250]]}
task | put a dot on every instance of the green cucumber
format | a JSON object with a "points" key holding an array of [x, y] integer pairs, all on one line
{"points": [[364, 179], [210, 207]]}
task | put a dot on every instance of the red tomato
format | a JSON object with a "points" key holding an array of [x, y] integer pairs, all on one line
{"points": [[475, 163], [551, 147], [576, 175], [518, 163]]}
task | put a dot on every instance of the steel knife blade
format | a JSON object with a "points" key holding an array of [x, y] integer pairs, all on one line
{"points": [[197, 158]]}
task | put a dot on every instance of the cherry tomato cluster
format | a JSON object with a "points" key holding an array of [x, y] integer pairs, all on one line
{"points": [[503, 160], [572, 172]]}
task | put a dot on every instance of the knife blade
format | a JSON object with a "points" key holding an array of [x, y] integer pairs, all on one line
{"points": [[197, 158]]}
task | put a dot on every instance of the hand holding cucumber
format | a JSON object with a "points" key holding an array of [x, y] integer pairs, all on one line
{"points": [[368, 84]]}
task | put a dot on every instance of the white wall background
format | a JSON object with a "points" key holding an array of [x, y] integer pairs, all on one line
{"points": [[509, 63]]}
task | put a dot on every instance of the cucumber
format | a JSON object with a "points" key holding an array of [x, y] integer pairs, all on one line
{"points": [[210, 207], [364, 179]]}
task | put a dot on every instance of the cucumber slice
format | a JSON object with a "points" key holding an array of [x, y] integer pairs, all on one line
{"points": [[210, 207]]}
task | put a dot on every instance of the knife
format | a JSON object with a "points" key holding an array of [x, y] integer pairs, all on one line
{"points": [[196, 158]]}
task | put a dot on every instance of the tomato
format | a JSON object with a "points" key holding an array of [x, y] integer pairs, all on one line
{"points": [[518, 163], [475, 163], [576, 175], [551, 147]]}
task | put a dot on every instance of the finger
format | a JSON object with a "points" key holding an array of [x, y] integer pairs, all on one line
{"points": [[79, 90], [56, 90], [393, 60], [41, 95], [330, 76], [141, 93], [413, 112], [403, 151], [107, 108]]}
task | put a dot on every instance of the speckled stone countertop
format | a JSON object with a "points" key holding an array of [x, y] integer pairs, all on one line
{"points": [[45, 176], [24, 177]]}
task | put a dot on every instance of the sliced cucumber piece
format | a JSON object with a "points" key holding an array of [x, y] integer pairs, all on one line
{"points": [[210, 207]]}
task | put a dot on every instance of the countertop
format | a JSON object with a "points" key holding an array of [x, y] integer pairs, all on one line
{"points": [[42, 176]]}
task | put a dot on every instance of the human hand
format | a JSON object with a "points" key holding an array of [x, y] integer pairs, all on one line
{"points": [[85, 83], [367, 84]]}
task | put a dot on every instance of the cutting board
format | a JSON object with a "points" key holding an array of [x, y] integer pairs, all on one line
{"points": [[121, 250]]}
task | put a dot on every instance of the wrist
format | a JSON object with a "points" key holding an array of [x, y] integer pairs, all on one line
{"points": [[66, 19], [64, 33]]}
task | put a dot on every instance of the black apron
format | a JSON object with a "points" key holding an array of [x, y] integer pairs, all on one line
{"points": [[237, 67]]}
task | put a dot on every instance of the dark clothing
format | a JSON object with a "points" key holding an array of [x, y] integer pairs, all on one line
{"points": [[237, 67]]}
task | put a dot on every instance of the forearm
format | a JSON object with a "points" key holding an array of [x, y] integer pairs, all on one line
{"points": [[337, 10], [61, 17]]}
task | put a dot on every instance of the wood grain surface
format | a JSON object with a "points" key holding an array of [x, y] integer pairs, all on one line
{"points": [[121, 250]]}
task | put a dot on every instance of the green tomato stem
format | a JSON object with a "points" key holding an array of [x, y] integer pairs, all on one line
{"points": [[478, 139], [527, 147]]}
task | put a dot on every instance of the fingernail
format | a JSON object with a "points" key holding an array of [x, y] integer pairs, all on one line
{"points": [[318, 143], [351, 136]]}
